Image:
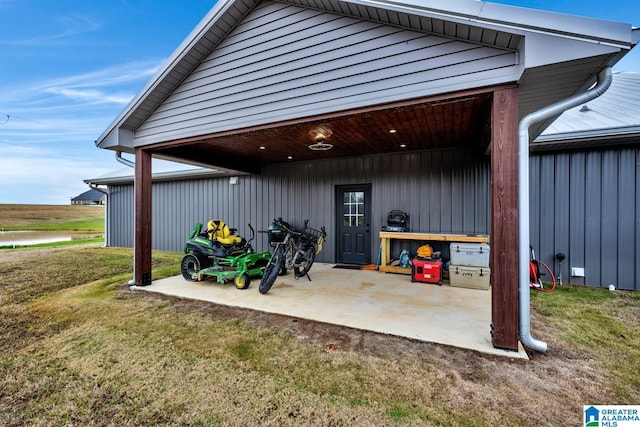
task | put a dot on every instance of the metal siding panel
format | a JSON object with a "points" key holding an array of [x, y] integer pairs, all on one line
{"points": [[636, 259], [562, 185], [445, 192], [377, 195], [173, 225], [408, 196], [610, 215], [180, 222], [575, 249], [626, 222], [475, 195], [547, 208], [457, 195], [122, 202], [160, 215], [413, 184], [434, 163], [593, 237], [484, 200], [157, 211], [469, 197]]}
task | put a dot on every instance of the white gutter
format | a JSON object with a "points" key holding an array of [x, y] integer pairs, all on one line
{"points": [[603, 83]]}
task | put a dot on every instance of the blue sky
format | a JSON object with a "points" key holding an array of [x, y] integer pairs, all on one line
{"points": [[68, 67]]}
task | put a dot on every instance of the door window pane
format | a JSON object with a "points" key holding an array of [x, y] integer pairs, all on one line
{"points": [[353, 209]]}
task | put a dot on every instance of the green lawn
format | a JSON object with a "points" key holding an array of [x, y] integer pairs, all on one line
{"points": [[79, 348]]}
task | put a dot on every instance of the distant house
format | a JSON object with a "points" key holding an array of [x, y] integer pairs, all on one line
{"points": [[91, 197]]}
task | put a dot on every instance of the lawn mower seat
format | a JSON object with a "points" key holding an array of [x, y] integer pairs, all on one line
{"points": [[218, 231]]}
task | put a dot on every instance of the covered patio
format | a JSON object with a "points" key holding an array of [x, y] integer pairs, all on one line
{"points": [[362, 299], [266, 89]]}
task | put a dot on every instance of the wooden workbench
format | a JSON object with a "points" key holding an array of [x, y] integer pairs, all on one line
{"points": [[387, 236]]}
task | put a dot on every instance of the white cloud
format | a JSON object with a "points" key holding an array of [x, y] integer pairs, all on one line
{"points": [[91, 95], [44, 177], [67, 27], [47, 145], [105, 86]]}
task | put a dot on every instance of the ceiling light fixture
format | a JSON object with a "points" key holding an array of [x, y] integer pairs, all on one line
{"points": [[320, 145], [319, 135]]}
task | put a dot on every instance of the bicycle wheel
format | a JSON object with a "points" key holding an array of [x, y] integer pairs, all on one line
{"points": [[271, 272], [546, 280], [305, 266]]}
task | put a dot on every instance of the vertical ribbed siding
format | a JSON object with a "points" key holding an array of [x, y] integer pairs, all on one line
{"points": [[442, 191], [120, 212], [585, 205]]}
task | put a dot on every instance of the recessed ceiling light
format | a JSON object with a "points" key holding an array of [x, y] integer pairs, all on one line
{"points": [[262, 147], [393, 130], [290, 157], [403, 145]]}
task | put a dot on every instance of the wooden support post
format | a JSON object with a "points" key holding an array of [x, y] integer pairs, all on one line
{"points": [[504, 219], [142, 243]]}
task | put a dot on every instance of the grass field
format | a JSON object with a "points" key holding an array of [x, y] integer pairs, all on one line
{"points": [[85, 223], [79, 348], [52, 218]]}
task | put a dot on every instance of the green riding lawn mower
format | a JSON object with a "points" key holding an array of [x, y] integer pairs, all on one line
{"points": [[217, 252]]}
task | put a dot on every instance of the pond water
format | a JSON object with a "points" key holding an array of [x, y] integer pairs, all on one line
{"points": [[21, 238]]}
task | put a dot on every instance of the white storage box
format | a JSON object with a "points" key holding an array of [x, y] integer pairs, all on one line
{"points": [[473, 254], [464, 276]]}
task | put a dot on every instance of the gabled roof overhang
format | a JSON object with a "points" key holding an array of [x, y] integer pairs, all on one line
{"points": [[559, 55]]}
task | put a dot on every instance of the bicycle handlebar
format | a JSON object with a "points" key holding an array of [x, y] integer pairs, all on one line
{"points": [[305, 227]]}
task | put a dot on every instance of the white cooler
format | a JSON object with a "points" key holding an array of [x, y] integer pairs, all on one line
{"points": [[464, 276], [471, 254]]}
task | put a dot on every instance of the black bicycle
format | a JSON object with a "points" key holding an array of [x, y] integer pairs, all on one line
{"points": [[293, 249]]}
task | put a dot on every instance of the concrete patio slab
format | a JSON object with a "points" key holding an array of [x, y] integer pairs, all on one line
{"points": [[369, 300]]}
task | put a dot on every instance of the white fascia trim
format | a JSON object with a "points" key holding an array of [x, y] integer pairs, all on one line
{"points": [[516, 20], [589, 134]]}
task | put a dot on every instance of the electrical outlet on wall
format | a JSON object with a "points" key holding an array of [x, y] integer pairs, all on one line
{"points": [[577, 271]]}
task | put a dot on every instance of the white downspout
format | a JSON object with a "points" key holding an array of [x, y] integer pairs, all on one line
{"points": [[603, 83]]}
